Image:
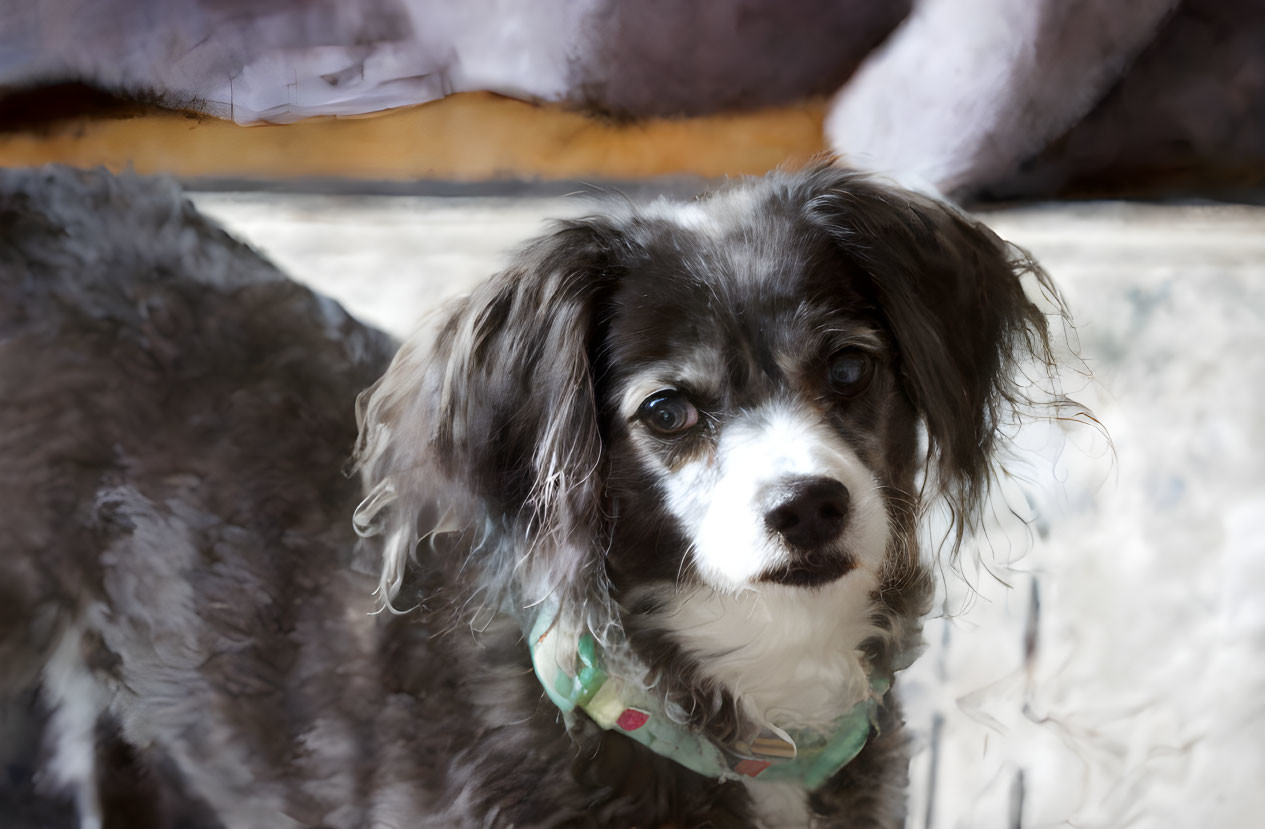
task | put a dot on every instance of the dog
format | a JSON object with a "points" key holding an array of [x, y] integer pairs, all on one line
{"points": [[641, 512]]}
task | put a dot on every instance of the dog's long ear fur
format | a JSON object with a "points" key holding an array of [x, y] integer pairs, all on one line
{"points": [[950, 291], [487, 426]]}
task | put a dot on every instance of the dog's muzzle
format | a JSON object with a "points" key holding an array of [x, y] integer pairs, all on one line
{"points": [[809, 518]]}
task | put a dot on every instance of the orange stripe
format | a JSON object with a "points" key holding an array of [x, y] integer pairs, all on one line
{"points": [[466, 137]]}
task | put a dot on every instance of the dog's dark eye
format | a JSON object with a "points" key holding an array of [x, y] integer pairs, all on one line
{"points": [[850, 371], [668, 412]]}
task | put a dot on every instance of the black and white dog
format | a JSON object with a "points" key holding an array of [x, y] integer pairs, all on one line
{"points": [[644, 508]]}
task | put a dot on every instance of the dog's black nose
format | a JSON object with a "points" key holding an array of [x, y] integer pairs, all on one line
{"points": [[813, 513]]}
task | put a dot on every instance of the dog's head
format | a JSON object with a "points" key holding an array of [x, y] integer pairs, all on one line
{"points": [[747, 395]]}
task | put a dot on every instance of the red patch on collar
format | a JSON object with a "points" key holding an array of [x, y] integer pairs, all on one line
{"points": [[751, 768], [632, 719]]}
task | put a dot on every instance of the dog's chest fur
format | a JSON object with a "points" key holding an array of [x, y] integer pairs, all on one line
{"points": [[793, 659]]}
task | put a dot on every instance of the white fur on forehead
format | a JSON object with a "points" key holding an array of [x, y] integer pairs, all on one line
{"points": [[734, 231], [717, 213], [718, 498]]}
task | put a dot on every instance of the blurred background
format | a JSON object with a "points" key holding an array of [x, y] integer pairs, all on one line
{"points": [[1098, 660]]}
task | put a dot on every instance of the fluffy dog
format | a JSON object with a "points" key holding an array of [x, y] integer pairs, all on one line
{"points": [[643, 507]]}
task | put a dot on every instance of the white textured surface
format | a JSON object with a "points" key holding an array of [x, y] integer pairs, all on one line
{"points": [[1143, 701]]}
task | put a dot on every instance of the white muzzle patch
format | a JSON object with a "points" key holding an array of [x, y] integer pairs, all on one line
{"points": [[721, 499]]}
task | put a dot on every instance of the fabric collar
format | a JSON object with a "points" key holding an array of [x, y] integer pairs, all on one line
{"points": [[802, 756]]}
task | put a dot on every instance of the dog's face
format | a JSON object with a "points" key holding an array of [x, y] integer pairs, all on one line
{"points": [[725, 398], [756, 430]]}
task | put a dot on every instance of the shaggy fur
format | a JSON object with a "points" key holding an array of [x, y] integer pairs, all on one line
{"points": [[181, 583]]}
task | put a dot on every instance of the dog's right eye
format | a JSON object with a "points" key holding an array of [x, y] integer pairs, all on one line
{"points": [[668, 412], [850, 371]]}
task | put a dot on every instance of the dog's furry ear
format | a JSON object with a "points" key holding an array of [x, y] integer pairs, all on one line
{"points": [[951, 294], [487, 425]]}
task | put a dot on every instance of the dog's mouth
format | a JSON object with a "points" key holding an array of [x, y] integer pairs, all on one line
{"points": [[814, 570]]}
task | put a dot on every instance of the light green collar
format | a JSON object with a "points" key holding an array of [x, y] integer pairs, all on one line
{"points": [[581, 680]]}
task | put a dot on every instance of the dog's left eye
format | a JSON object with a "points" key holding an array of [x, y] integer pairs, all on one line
{"points": [[668, 412], [849, 371]]}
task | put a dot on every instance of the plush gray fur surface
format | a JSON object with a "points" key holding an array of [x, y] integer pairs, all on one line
{"points": [[174, 420]]}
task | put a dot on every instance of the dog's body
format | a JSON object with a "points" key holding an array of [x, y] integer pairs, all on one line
{"points": [[690, 433]]}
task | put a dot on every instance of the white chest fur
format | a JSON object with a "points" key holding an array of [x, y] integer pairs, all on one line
{"points": [[779, 805], [787, 654]]}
